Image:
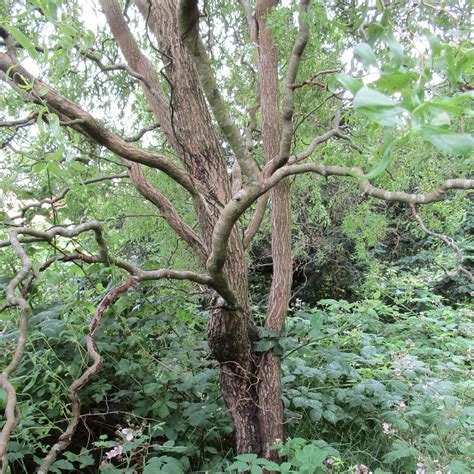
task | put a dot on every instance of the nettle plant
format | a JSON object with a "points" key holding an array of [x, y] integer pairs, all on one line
{"points": [[205, 112]]}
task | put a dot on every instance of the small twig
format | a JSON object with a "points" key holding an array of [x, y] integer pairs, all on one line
{"points": [[448, 241], [139, 135], [311, 81]]}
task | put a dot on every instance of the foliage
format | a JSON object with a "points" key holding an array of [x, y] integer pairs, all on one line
{"points": [[385, 382], [376, 355]]}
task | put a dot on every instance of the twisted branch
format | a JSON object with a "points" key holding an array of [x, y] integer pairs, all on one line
{"points": [[137, 275], [66, 437]]}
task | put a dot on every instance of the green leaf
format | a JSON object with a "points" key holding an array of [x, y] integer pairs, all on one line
{"points": [[3, 399], [435, 44], [249, 457], [395, 82], [377, 107], [23, 40], [396, 51], [363, 52], [400, 450], [263, 345], [449, 142], [352, 84], [370, 98], [387, 157], [63, 465]]}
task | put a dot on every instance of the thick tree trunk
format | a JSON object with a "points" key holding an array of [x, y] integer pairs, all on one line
{"points": [[231, 331], [250, 387]]}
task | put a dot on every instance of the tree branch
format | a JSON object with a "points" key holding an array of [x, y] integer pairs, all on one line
{"points": [[448, 241], [64, 192], [246, 197], [66, 437], [188, 22], [168, 211], [289, 94], [139, 135], [29, 120], [138, 275], [10, 409], [256, 219], [91, 128]]}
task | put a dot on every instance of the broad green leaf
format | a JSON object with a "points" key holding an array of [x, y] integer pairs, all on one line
{"points": [[396, 51], [363, 52], [370, 98], [352, 84], [23, 40], [400, 450], [62, 465], [449, 142], [250, 457], [377, 107], [396, 82]]}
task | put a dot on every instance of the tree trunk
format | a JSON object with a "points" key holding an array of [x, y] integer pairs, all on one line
{"points": [[271, 416], [250, 387], [231, 332]]}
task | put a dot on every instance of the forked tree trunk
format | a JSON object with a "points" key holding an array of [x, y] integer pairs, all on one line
{"points": [[250, 384]]}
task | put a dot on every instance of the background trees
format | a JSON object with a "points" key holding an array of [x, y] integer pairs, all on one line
{"points": [[191, 125]]}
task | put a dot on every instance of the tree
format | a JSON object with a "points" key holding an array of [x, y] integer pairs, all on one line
{"points": [[201, 140]]}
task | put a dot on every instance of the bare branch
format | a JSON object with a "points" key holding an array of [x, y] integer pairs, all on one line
{"points": [[448, 241], [256, 220], [139, 135], [188, 22], [334, 132], [289, 95], [168, 211], [64, 192], [92, 129], [137, 273], [65, 439], [137, 61], [29, 120], [252, 23], [10, 410], [246, 197], [311, 81]]}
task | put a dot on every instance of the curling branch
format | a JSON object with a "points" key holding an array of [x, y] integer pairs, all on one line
{"points": [[66, 437]]}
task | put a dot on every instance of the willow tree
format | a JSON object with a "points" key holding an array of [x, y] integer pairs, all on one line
{"points": [[230, 166]]}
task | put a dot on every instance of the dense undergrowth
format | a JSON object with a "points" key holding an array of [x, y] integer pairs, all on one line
{"points": [[382, 384]]}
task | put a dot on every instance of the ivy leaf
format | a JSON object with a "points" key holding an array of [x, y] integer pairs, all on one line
{"points": [[449, 142], [363, 52]]}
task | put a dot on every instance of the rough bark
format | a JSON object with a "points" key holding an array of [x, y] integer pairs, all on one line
{"points": [[269, 389], [231, 329]]}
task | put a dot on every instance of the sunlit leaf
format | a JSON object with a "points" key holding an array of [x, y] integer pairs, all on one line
{"points": [[364, 53], [449, 142]]}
